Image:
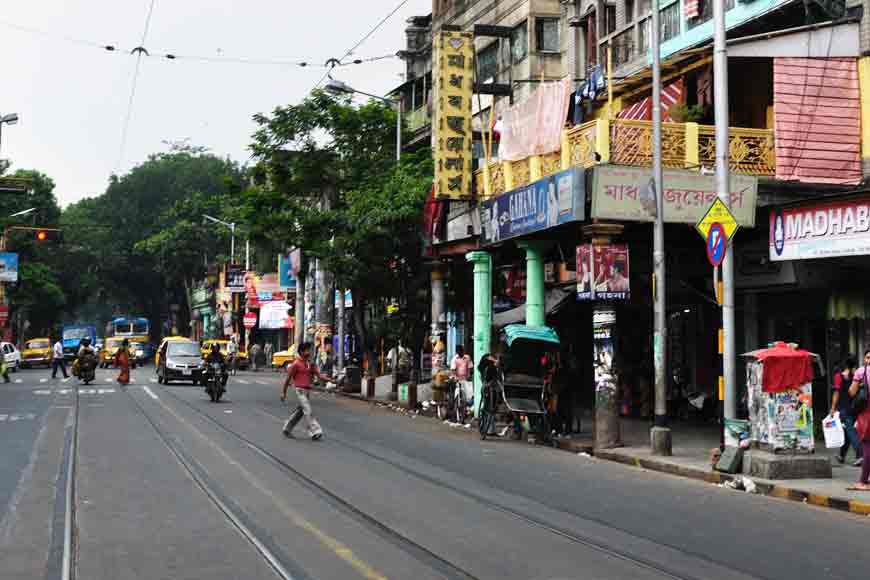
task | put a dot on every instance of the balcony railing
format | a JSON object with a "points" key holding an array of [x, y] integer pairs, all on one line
{"points": [[626, 142], [417, 119]]}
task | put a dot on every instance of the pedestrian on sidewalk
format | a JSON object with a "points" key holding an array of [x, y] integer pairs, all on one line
{"points": [[233, 354], [254, 355], [861, 411], [57, 361], [300, 374], [461, 368], [841, 403], [267, 352]]}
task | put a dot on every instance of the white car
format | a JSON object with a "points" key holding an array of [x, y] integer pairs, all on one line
{"points": [[12, 356]]}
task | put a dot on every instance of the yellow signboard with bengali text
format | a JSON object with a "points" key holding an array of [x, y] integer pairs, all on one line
{"points": [[451, 123]]}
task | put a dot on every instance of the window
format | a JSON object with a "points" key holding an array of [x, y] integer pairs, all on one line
{"points": [[487, 63], [622, 48], [610, 18], [706, 12], [670, 21], [629, 11], [643, 37], [519, 43], [547, 34]]}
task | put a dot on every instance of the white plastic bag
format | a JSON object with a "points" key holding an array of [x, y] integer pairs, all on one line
{"points": [[833, 430]]}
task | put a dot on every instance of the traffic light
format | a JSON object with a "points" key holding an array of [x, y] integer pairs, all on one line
{"points": [[47, 235]]}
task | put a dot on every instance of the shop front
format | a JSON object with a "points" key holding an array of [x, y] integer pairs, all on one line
{"points": [[202, 312]]}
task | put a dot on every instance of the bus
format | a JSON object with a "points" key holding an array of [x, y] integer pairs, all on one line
{"points": [[131, 327], [72, 335]]}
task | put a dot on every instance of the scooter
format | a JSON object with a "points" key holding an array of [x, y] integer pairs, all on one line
{"points": [[214, 382]]}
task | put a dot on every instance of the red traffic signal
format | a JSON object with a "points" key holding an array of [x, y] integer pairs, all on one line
{"points": [[47, 235]]}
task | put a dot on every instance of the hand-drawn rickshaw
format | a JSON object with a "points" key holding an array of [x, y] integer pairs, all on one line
{"points": [[517, 385]]}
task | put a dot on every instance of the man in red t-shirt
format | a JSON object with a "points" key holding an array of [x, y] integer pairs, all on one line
{"points": [[300, 373]]}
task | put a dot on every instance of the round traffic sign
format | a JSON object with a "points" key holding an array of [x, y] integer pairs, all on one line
{"points": [[717, 240], [250, 320]]}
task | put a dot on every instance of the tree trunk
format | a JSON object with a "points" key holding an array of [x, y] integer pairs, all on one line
{"points": [[360, 300]]}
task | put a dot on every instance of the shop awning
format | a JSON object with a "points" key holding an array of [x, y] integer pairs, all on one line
{"points": [[554, 298], [823, 40]]}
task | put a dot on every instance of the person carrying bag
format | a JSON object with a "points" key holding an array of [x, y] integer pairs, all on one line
{"points": [[860, 410]]}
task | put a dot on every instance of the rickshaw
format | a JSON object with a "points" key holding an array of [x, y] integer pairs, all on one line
{"points": [[517, 388]]}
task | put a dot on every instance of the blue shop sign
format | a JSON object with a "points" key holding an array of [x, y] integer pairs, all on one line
{"points": [[546, 203]]}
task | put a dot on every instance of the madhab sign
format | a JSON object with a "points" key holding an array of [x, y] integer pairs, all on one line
{"points": [[822, 230]]}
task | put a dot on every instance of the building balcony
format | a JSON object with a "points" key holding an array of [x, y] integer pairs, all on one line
{"points": [[626, 142], [417, 119]]}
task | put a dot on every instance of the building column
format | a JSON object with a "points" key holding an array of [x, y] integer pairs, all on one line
{"points": [[750, 322], [536, 314], [438, 331], [482, 314]]}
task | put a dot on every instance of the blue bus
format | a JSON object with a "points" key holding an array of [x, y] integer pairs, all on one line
{"points": [[72, 335]]}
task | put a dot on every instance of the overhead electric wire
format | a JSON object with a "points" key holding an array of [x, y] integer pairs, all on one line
{"points": [[363, 39], [313, 62], [139, 50]]}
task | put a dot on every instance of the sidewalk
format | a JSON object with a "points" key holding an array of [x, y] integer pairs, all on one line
{"points": [[691, 458]]}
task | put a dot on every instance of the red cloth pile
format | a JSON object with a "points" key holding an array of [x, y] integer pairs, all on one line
{"points": [[785, 368]]}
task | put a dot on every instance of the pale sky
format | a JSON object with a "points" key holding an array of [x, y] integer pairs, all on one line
{"points": [[72, 98]]}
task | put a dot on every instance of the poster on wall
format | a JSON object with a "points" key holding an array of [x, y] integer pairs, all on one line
{"points": [[603, 322], [8, 267], [603, 272], [287, 269]]}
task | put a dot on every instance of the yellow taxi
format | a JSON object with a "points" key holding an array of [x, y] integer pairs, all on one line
{"points": [[206, 348], [109, 350], [36, 351], [162, 348], [282, 359]]}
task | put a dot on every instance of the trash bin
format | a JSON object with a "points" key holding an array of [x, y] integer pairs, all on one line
{"points": [[352, 379]]}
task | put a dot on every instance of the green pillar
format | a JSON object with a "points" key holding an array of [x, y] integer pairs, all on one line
{"points": [[535, 301], [482, 314]]}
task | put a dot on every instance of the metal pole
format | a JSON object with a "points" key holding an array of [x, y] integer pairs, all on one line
{"points": [[340, 316], [720, 99], [398, 130], [660, 436], [247, 255], [232, 242]]}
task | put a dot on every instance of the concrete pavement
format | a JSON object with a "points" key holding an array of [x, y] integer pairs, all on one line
{"points": [[169, 485]]}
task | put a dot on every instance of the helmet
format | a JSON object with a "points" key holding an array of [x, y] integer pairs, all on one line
{"points": [[86, 342], [215, 348]]}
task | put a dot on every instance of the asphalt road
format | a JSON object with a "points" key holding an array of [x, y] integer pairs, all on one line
{"points": [[170, 485]]}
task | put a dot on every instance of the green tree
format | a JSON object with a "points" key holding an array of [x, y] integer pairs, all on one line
{"points": [[329, 184]]}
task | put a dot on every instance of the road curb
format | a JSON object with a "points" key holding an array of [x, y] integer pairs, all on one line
{"points": [[715, 477]]}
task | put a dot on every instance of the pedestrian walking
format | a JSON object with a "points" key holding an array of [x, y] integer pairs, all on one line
{"points": [[254, 353], [861, 411], [300, 374], [841, 403], [461, 366], [4, 369], [233, 354], [122, 361], [57, 361], [267, 351]]}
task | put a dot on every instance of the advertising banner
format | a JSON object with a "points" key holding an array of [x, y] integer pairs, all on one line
{"points": [[628, 194], [235, 278], [348, 299], [549, 202], [603, 322], [8, 267], [821, 230], [453, 77], [603, 272], [287, 269], [275, 315], [534, 127]]}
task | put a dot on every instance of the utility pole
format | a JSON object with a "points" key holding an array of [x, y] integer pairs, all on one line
{"points": [[660, 435], [723, 191]]}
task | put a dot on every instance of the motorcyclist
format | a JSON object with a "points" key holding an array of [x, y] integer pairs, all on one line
{"points": [[215, 356], [85, 350]]}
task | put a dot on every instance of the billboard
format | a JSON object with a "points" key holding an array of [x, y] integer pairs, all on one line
{"points": [[821, 230], [603, 272], [8, 267], [453, 82], [235, 278], [627, 194], [288, 267], [546, 203]]}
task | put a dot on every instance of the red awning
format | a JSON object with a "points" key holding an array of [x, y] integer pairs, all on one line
{"points": [[784, 367]]}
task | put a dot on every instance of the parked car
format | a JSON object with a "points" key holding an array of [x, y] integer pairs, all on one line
{"points": [[12, 356], [180, 360], [37, 351]]}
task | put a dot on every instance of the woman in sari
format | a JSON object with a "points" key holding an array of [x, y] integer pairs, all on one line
{"points": [[122, 361]]}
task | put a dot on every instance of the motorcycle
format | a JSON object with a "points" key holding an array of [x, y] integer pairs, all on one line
{"points": [[214, 384], [87, 368]]}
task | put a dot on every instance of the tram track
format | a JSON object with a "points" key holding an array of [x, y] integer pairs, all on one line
{"points": [[68, 562], [485, 502]]}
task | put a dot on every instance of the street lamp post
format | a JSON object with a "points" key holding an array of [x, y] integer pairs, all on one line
{"points": [[232, 226], [9, 119], [339, 87]]}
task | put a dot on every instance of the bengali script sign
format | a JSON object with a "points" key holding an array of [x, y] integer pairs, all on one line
{"points": [[627, 193], [534, 127], [453, 76]]}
